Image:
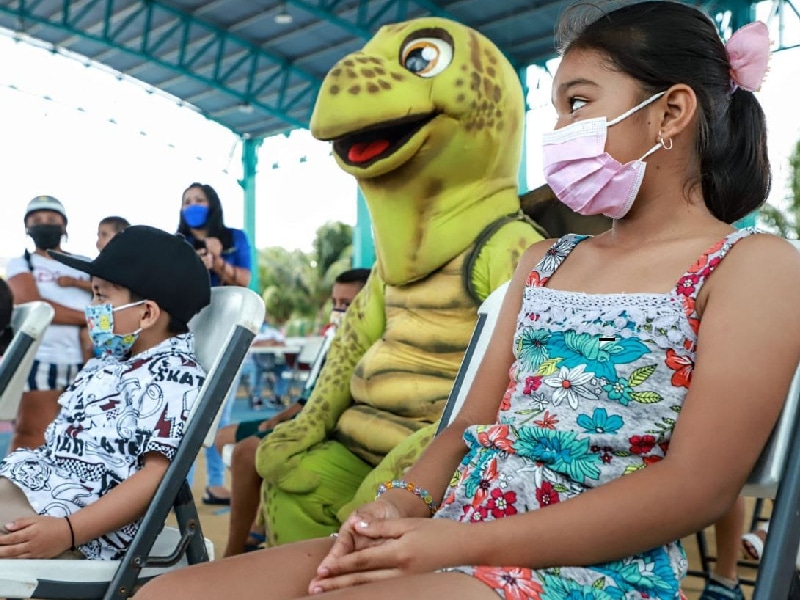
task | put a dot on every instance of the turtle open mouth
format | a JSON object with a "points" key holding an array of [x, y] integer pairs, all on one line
{"points": [[364, 147]]}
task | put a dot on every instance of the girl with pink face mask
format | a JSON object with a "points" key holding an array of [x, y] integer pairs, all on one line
{"points": [[622, 368]]}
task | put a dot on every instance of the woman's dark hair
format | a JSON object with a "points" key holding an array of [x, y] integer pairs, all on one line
{"points": [[215, 226], [663, 43], [6, 308]]}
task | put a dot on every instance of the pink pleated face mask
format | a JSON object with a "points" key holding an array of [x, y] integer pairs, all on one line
{"points": [[587, 178]]}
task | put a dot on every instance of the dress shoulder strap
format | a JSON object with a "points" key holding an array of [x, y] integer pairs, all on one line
{"points": [[693, 279], [552, 259]]}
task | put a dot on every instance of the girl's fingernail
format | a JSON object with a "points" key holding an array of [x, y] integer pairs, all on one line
{"points": [[316, 590], [322, 571], [362, 524]]}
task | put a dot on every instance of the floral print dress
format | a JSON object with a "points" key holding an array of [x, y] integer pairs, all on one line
{"points": [[595, 389]]}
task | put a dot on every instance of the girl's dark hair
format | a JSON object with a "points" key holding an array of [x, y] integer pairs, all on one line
{"points": [[6, 308], [215, 226], [663, 43]]}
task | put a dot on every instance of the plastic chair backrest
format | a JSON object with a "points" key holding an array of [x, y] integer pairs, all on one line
{"points": [[29, 322], [215, 324], [777, 474], [487, 319], [319, 360], [764, 478], [310, 350]]}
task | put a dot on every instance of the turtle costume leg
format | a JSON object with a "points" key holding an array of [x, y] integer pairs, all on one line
{"points": [[293, 515]]}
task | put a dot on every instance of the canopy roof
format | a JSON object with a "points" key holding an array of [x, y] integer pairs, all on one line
{"points": [[241, 64]]}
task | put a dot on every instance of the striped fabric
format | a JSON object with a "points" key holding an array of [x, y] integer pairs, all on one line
{"points": [[50, 376]]}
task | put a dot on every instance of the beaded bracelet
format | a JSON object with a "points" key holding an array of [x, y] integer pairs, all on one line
{"points": [[399, 484]]}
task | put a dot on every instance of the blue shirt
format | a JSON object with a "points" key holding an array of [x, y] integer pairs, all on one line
{"points": [[237, 255]]}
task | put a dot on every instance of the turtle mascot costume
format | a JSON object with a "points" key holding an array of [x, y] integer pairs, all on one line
{"points": [[428, 117]]}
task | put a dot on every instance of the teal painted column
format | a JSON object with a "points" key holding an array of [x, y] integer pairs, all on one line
{"points": [[363, 243], [250, 148], [748, 221], [522, 172]]}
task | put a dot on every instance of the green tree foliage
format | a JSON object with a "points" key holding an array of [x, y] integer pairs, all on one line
{"points": [[786, 221], [331, 241], [297, 285]]}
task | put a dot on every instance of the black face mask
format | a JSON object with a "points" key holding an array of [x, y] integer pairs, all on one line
{"points": [[46, 237]]}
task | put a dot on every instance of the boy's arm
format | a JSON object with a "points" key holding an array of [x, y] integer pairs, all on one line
{"points": [[24, 289], [47, 537], [69, 281], [124, 504]]}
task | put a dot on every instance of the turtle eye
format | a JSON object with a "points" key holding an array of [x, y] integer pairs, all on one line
{"points": [[426, 57]]}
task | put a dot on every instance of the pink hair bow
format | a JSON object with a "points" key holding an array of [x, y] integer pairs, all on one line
{"points": [[748, 53]]}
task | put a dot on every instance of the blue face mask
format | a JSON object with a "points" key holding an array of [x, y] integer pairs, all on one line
{"points": [[195, 215], [100, 322]]}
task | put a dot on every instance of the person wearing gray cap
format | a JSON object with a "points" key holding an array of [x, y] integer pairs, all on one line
{"points": [[35, 276]]}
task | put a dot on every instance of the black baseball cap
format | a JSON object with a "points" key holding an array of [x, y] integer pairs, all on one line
{"points": [[154, 265]]}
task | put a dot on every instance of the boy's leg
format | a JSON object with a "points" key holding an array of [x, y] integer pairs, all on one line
{"points": [[245, 494], [281, 383], [225, 436], [724, 576], [215, 473], [13, 504], [258, 381], [728, 533], [215, 468]]}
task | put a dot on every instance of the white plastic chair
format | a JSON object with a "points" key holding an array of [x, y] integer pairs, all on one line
{"points": [[775, 475], [309, 351], [487, 319], [313, 374], [29, 322], [223, 333]]}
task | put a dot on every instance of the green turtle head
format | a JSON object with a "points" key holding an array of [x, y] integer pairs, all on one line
{"points": [[428, 116]]}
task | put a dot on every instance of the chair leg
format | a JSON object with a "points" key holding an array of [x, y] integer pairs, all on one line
{"points": [[189, 522], [757, 517], [702, 549]]}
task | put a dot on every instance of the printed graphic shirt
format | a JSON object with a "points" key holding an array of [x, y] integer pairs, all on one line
{"points": [[113, 414]]}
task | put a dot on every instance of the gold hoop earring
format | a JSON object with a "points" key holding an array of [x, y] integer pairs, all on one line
{"points": [[664, 143]]}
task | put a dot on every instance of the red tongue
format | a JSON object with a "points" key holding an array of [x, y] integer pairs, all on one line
{"points": [[363, 151]]}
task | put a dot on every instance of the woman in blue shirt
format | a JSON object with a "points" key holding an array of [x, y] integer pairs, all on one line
{"points": [[226, 254], [225, 251]]}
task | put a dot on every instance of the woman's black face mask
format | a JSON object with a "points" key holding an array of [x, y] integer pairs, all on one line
{"points": [[46, 237]]}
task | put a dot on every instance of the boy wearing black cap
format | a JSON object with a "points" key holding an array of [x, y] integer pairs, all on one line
{"points": [[83, 492]]}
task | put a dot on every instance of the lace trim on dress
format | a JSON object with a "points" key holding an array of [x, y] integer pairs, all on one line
{"points": [[660, 318]]}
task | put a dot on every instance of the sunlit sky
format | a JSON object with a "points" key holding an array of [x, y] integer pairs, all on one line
{"points": [[105, 145]]}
